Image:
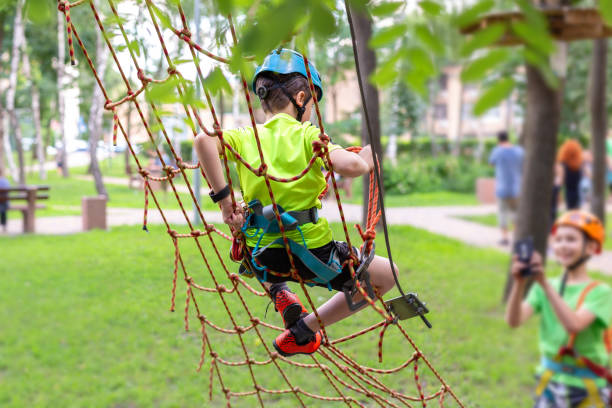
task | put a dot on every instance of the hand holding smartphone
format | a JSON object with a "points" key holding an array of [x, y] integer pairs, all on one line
{"points": [[524, 251]]}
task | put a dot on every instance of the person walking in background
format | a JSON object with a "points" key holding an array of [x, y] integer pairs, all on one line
{"points": [[4, 183], [508, 161], [557, 184], [570, 158], [586, 187]]}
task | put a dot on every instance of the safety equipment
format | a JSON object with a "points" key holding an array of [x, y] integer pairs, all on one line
{"points": [[585, 222], [286, 61], [583, 368], [263, 220]]}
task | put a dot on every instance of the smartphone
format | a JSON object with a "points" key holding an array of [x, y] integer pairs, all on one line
{"points": [[523, 249]]}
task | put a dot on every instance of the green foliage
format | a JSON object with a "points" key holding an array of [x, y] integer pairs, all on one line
{"points": [[186, 150], [605, 8], [498, 91], [413, 174], [431, 41], [423, 146], [216, 82], [471, 14], [388, 35], [478, 68], [575, 115], [406, 109], [432, 8], [484, 38], [39, 11], [387, 8]]}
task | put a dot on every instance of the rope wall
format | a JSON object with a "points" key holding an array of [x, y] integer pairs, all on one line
{"points": [[250, 372]]}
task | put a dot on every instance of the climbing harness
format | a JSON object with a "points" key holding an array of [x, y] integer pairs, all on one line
{"points": [[583, 368], [262, 220]]}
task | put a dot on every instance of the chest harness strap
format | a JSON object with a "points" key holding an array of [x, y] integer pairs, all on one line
{"points": [[584, 368]]}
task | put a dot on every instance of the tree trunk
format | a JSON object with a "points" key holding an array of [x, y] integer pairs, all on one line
{"points": [[96, 113], [509, 114], [599, 126], [362, 25], [542, 120], [2, 152], [126, 153], [2, 166], [27, 72], [61, 61], [457, 132], [220, 108], [12, 89]]}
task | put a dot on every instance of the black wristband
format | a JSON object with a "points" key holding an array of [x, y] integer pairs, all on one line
{"points": [[220, 195]]}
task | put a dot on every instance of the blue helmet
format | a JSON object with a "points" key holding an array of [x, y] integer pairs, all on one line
{"points": [[285, 61]]}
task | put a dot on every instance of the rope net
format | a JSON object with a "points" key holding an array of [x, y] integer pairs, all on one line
{"points": [[244, 369]]}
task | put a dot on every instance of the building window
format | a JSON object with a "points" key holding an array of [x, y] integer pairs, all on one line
{"points": [[466, 111], [443, 82], [439, 111]]}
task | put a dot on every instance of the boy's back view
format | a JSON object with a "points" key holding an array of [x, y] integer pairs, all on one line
{"points": [[290, 145]]}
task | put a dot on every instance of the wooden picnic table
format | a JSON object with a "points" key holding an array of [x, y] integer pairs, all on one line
{"points": [[29, 194]]}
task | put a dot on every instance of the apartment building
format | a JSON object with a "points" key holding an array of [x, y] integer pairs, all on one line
{"points": [[450, 113]]}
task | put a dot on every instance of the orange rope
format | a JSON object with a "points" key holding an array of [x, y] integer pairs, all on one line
{"points": [[347, 380]]}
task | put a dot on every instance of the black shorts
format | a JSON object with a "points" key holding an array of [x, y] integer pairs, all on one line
{"points": [[276, 260]]}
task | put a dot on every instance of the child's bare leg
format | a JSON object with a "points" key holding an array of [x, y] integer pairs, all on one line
{"points": [[336, 308]]}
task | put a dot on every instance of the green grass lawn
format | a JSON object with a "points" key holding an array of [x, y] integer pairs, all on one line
{"points": [[86, 323], [65, 196], [422, 199], [116, 168], [491, 220]]}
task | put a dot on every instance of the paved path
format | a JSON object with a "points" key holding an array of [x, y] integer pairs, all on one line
{"points": [[438, 220]]}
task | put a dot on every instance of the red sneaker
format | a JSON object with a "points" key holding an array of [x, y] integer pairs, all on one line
{"points": [[287, 346], [290, 307]]}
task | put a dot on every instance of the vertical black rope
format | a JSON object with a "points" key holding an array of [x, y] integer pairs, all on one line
{"points": [[369, 126]]}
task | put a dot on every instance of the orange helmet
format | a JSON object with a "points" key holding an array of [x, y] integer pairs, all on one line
{"points": [[585, 222]]}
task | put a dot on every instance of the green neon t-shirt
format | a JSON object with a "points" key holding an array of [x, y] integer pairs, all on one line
{"points": [[589, 342], [609, 146], [287, 149]]}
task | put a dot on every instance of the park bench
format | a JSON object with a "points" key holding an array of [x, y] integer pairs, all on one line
{"points": [[29, 194]]}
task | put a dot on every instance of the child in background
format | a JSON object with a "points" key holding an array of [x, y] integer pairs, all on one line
{"points": [[571, 158], [575, 314]]}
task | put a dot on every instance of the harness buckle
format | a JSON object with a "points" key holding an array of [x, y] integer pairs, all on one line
{"points": [[314, 215], [363, 277]]}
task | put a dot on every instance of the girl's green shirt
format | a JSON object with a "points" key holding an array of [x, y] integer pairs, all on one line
{"points": [[287, 150], [589, 342]]}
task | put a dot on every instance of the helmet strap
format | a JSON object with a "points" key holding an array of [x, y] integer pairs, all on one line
{"points": [[579, 262]]}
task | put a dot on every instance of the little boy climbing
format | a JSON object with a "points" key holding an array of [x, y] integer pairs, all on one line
{"points": [[575, 317], [287, 142]]}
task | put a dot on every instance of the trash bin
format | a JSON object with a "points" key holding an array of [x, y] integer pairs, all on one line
{"points": [[485, 190], [94, 212]]}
